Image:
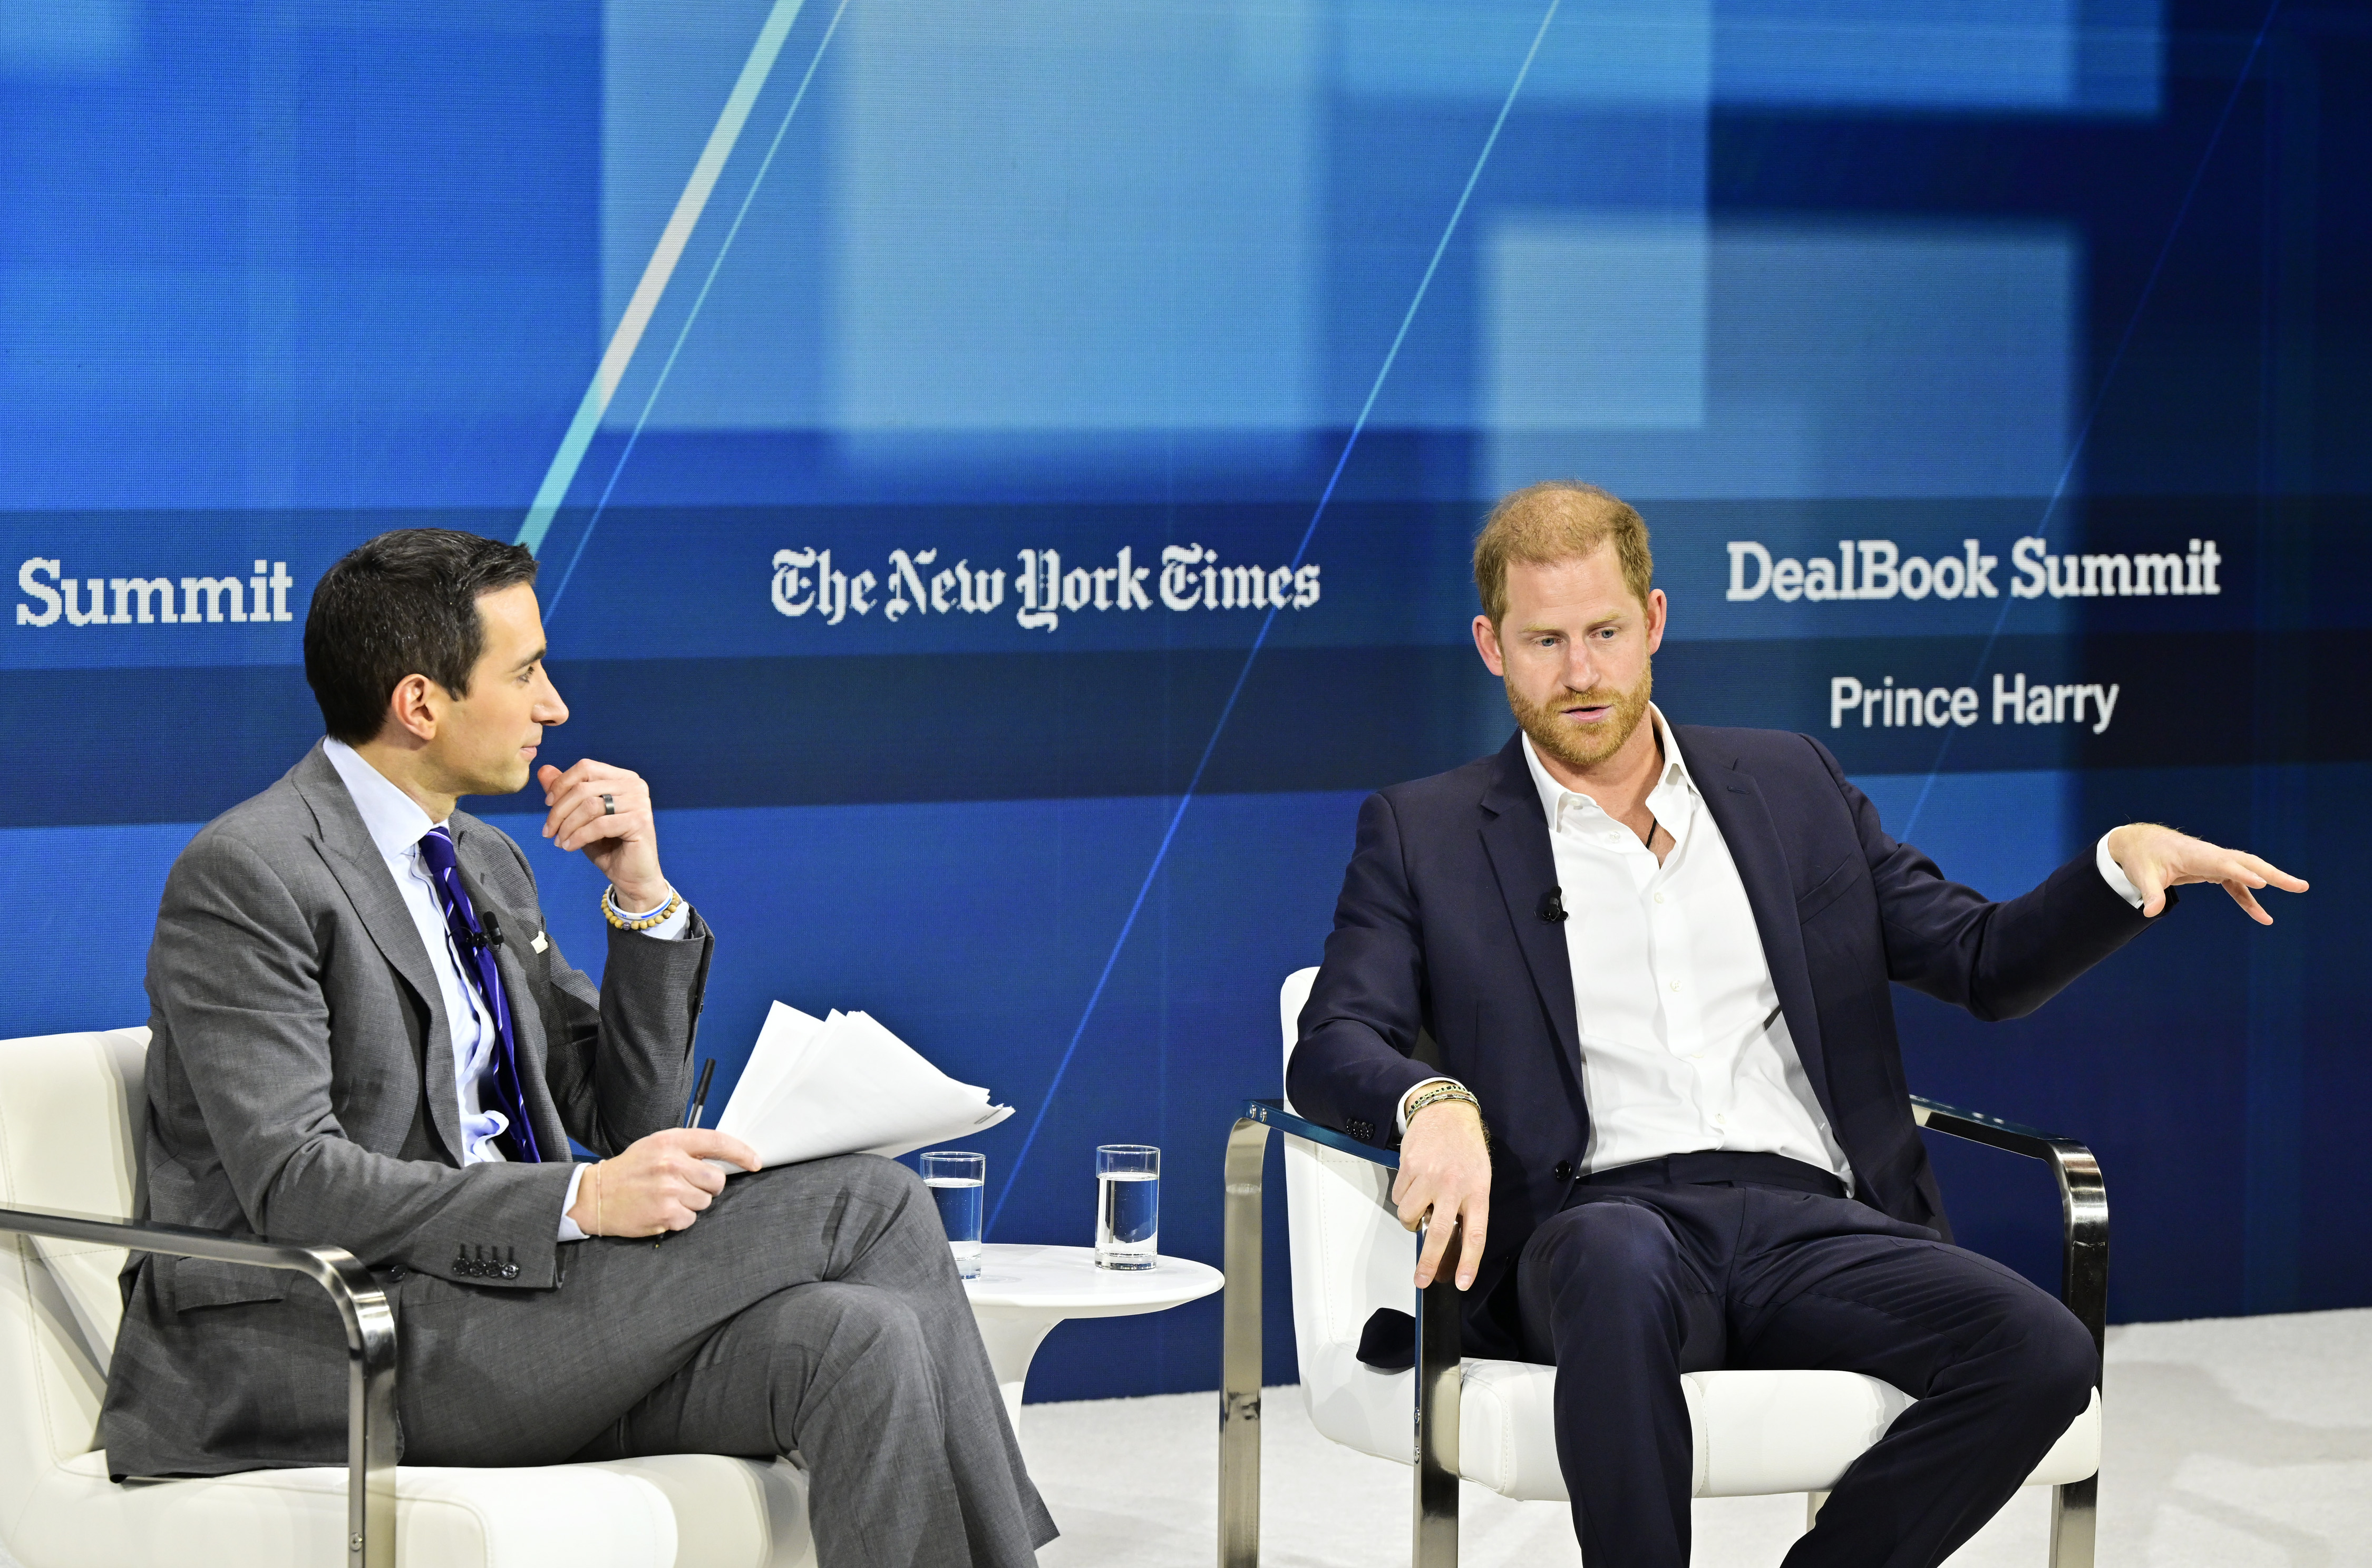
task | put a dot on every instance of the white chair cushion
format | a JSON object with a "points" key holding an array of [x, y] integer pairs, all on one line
{"points": [[690, 1510], [72, 1106]]}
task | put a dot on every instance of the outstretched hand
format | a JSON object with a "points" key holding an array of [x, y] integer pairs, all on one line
{"points": [[1445, 1172], [660, 1183], [2154, 858]]}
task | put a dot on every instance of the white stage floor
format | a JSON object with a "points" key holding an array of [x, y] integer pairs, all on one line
{"points": [[2231, 1443]]}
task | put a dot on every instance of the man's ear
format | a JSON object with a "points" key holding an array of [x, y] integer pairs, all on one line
{"points": [[413, 708], [1657, 610], [1486, 642]]}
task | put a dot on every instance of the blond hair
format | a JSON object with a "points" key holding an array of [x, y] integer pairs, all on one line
{"points": [[1555, 521]]}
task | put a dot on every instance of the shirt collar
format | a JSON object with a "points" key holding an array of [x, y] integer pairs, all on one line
{"points": [[395, 821], [1554, 794]]}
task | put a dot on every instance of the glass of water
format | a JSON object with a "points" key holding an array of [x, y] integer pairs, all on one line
{"points": [[957, 1182], [1128, 1205]]}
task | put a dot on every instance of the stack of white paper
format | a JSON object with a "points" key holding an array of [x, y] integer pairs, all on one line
{"points": [[845, 1085]]}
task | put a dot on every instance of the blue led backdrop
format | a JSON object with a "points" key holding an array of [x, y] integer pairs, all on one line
{"points": [[1005, 474]]}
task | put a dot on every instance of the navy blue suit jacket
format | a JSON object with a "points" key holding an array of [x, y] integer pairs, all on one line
{"points": [[1440, 954]]}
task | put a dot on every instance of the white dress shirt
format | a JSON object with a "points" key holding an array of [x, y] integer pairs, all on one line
{"points": [[1684, 1044], [397, 824]]}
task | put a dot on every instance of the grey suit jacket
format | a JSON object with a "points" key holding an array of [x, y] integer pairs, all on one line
{"points": [[300, 1089]]}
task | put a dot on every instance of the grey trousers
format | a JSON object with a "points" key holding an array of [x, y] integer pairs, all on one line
{"points": [[812, 1307]]}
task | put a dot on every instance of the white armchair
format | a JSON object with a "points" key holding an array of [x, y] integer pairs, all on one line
{"points": [[1756, 1433], [71, 1110]]}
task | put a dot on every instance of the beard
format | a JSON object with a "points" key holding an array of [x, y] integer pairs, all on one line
{"points": [[1556, 738]]}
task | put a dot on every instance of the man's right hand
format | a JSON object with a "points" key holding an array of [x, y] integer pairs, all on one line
{"points": [[660, 1183], [1445, 1168]]}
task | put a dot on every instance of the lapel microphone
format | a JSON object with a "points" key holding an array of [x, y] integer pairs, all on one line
{"points": [[1553, 906], [493, 937]]}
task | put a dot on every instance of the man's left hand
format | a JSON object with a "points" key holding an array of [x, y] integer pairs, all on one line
{"points": [[620, 837], [2154, 858]]}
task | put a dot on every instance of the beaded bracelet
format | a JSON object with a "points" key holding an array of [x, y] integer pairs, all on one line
{"points": [[610, 913]]}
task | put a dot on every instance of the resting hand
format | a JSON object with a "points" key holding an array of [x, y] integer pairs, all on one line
{"points": [[624, 842], [1446, 1169], [660, 1183], [2154, 858]]}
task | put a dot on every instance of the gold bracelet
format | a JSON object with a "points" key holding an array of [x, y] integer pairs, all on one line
{"points": [[609, 911]]}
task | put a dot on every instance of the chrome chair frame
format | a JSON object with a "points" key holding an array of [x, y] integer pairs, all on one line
{"points": [[2084, 1287], [370, 1347]]}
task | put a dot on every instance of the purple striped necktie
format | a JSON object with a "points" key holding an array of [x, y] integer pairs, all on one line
{"points": [[501, 1084]]}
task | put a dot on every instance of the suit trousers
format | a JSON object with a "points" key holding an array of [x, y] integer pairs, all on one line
{"points": [[1631, 1285], [810, 1309]]}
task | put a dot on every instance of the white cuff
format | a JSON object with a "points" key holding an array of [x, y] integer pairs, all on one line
{"points": [[666, 930], [569, 1229], [2114, 874], [1401, 1115]]}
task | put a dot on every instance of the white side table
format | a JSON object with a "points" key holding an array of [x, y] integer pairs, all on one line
{"points": [[1023, 1291]]}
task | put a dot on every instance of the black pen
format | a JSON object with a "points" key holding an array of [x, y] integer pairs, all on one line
{"points": [[700, 1095]]}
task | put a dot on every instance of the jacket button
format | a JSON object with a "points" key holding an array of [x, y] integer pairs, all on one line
{"points": [[1563, 1172], [510, 1271], [395, 1276]]}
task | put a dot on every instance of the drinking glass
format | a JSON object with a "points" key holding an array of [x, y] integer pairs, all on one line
{"points": [[1128, 1205], [957, 1181]]}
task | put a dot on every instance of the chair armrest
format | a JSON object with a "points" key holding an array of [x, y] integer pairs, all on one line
{"points": [[2083, 1201], [370, 1347], [1274, 1114]]}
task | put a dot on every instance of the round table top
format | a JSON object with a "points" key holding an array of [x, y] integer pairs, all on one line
{"points": [[1065, 1282]]}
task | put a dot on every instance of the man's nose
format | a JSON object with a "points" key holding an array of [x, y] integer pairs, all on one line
{"points": [[548, 708]]}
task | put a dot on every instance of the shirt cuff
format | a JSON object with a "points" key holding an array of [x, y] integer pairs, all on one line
{"points": [[666, 930], [2114, 874], [569, 1229], [1401, 1115]]}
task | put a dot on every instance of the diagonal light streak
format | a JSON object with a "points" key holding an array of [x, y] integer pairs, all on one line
{"points": [[656, 273], [1169, 834], [2100, 396], [716, 265]]}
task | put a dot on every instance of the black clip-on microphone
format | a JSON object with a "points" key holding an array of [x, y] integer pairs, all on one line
{"points": [[1552, 905], [494, 932]]}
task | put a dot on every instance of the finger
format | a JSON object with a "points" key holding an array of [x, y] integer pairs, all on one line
{"points": [[1436, 1242], [2247, 903], [576, 801], [707, 1142], [2151, 888], [2274, 875], [547, 776], [698, 1173], [1472, 1236], [589, 824]]}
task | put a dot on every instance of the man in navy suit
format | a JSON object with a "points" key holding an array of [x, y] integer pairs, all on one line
{"points": [[1654, 960]]}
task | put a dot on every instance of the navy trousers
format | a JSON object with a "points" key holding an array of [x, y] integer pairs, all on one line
{"points": [[1705, 1261]]}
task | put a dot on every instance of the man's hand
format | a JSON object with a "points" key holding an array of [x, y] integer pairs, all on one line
{"points": [[1445, 1168], [2154, 858], [660, 1183], [623, 843]]}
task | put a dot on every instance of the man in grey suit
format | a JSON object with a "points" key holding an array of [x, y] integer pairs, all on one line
{"points": [[364, 1034]]}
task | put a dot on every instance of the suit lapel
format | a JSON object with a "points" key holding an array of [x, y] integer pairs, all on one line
{"points": [[1735, 800], [1516, 837], [353, 859]]}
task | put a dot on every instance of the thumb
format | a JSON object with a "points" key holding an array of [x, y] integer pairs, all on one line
{"points": [[704, 1143]]}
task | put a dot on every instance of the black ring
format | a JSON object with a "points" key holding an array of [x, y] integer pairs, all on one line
{"points": [[609, 805]]}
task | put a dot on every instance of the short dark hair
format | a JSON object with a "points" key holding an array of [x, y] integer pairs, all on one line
{"points": [[405, 603]]}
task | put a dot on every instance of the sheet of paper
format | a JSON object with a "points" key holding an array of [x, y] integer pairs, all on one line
{"points": [[846, 1086], [782, 1040]]}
